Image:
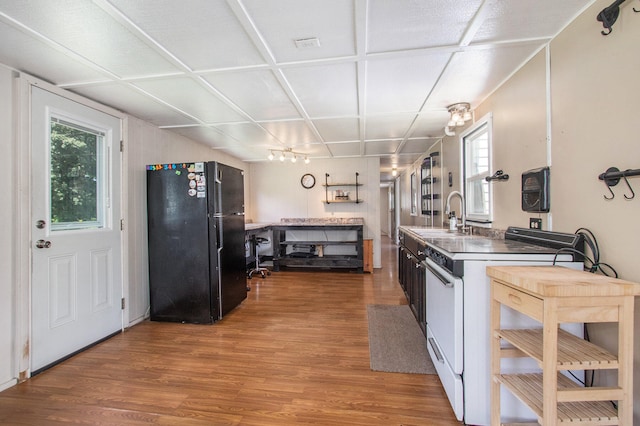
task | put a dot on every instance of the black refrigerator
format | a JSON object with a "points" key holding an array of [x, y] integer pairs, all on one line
{"points": [[197, 269]]}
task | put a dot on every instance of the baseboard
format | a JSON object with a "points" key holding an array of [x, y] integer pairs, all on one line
{"points": [[7, 385]]}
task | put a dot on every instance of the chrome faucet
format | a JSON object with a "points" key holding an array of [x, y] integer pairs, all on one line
{"points": [[463, 207]]}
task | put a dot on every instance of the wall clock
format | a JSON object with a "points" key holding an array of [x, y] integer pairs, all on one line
{"points": [[308, 180]]}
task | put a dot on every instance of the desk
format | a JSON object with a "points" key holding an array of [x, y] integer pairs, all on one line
{"points": [[318, 258]]}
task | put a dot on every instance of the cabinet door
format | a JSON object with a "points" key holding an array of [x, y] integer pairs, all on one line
{"points": [[417, 293]]}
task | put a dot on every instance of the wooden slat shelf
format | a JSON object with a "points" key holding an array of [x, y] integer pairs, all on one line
{"points": [[528, 388], [574, 353]]}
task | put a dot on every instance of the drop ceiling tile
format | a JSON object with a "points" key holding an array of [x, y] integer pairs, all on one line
{"points": [[338, 129], [247, 133], [205, 135], [313, 150], [430, 124], [391, 126], [258, 93], [349, 149], [81, 26], [410, 24], [512, 20], [326, 90], [247, 153], [398, 161], [386, 147], [291, 133], [473, 74], [30, 55], [204, 34], [125, 98], [417, 146], [402, 84], [187, 95], [282, 21]]}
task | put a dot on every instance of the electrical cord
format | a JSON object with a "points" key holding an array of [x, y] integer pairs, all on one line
{"points": [[595, 265], [571, 250], [591, 264]]}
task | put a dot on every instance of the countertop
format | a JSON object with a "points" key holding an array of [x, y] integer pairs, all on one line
{"points": [[557, 281], [463, 246], [312, 221], [256, 226], [319, 221]]}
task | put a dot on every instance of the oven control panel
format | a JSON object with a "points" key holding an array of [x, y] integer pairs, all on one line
{"points": [[455, 267]]}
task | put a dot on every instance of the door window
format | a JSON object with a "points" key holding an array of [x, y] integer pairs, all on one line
{"points": [[77, 194]]}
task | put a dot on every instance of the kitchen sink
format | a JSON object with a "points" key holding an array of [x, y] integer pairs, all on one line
{"points": [[437, 233]]}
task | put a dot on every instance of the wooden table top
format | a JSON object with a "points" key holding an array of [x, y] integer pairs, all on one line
{"points": [[559, 281]]}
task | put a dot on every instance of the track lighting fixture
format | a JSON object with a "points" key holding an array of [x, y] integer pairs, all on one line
{"points": [[284, 153]]}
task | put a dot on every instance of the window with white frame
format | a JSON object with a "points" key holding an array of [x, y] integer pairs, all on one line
{"points": [[476, 150]]}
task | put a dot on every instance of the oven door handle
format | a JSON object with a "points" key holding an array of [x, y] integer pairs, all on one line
{"points": [[436, 351], [443, 280]]}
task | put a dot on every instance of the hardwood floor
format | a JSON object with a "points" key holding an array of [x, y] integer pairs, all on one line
{"points": [[294, 353]]}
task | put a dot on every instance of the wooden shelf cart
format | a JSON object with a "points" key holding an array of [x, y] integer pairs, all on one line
{"points": [[553, 295]]}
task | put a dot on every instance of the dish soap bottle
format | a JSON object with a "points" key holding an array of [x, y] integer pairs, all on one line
{"points": [[453, 222]]}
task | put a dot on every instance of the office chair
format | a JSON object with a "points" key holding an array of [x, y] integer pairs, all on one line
{"points": [[257, 241]]}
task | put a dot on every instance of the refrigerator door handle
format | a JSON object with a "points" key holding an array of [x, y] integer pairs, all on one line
{"points": [[220, 233], [217, 190]]}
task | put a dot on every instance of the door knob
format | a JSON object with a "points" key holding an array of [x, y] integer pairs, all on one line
{"points": [[43, 244]]}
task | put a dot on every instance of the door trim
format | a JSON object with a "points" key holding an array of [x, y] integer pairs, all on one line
{"points": [[22, 212]]}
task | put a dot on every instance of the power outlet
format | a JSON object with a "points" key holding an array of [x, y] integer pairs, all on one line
{"points": [[535, 223]]}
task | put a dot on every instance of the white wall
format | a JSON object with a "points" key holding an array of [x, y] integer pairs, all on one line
{"points": [[7, 301], [277, 193]]}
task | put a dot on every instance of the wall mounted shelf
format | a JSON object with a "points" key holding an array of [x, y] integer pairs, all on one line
{"points": [[341, 198], [429, 196]]}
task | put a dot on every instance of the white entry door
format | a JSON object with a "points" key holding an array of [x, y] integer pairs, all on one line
{"points": [[76, 288]]}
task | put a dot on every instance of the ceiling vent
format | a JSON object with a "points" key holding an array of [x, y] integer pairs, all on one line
{"points": [[307, 43]]}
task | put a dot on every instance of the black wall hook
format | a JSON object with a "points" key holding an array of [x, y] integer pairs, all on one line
{"points": [[612, 177], [609, 15], [633, 194], [498, 175]]}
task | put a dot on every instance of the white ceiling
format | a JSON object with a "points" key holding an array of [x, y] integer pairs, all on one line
{"points": [[227, 73]]}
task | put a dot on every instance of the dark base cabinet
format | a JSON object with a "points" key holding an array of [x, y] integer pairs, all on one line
{"points": [[412, 276]]}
